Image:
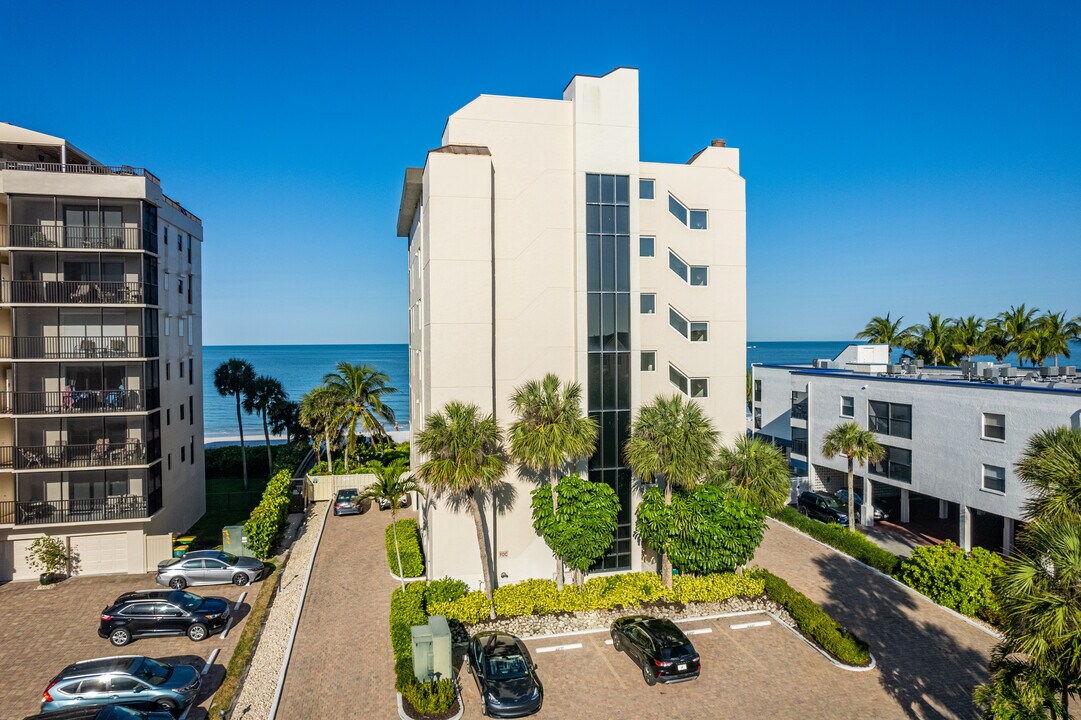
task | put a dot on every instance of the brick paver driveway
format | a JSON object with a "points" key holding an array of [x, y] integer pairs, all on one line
{"points": [[43, 631], [342, 665], [928, 660]]}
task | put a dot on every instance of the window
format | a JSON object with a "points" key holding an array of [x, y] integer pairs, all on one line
{"points": [[848, 406], [692, 274], [645, 246], [191, 378], [699, 387], [165, 233], [180, 285], [994, 478], [181, 369], [890, 418], [678, 266], [191, 336], [123, 683], [699, 275], [649, 360], [758, 418], [166, 321], [180, 327], [895, 465], [191, 449], [181, 411], [167, 369], [649, 303], [169, 461], [183, 454], [758, 390], [191, 407], [645, 189], [694, 219], [699, 332], [694, 387], [168, 416], [678, 379], [180, 242], [678, 323], [994, 426]]}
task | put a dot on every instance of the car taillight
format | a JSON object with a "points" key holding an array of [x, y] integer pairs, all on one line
{"points": [[106, 617], [696, 659], [662, 663], [45, 696]]}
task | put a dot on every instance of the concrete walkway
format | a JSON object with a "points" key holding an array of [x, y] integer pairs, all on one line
{"points": [[928, 660], [342, 664]]}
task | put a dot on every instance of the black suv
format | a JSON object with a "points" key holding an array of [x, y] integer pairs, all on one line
{"points": [[660, 648], [826, 508], [163, 612]]}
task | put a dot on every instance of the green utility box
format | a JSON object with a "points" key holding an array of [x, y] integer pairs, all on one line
{"points": [[234, 540], [432, 650]]}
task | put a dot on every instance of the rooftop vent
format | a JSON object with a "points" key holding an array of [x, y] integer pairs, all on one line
{"points": [[718, 143]]}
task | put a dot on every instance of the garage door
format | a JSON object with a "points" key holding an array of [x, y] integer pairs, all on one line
{"points": [[7, 561], [18, 560], [101, 554]]}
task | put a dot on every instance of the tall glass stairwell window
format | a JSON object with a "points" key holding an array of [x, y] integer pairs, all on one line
{"points": [[608, 343]]}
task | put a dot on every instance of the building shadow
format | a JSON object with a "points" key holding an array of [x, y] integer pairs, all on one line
{"points": [[920, 664]]}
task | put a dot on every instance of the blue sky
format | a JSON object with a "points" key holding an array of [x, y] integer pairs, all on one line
{"points": [[910, 157]]}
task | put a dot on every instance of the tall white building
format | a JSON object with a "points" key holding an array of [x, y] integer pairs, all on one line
{"points": [[539, 242], [101, 413]]}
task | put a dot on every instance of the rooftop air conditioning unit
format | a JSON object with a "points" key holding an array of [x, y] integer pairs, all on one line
{"points": [[990, 373], [1007, 371], [895, 369], [821, 364], [1049, 371], [1068, 370], [919, 362]]}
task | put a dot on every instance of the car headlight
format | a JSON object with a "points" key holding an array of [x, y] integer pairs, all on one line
{"points": [[213, 616], [492, 699]]}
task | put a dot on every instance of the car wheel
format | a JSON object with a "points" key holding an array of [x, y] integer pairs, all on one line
{"points": [[197, 632], [803, 511], [178, 583], [120, 637], [617, 642], [240, 579], [648, 676], [166, 705]]}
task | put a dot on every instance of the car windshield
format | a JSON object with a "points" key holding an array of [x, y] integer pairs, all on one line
{"points": [[152, 671], [228, 558], [347, 495], [185, 600], [507, 667]]}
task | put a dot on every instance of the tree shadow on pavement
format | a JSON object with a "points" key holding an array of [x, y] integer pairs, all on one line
{"points": [[920, 663]]}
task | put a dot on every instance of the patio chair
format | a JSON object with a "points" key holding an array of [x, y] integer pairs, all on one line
{"points": [[88, 348], [31, 458]]}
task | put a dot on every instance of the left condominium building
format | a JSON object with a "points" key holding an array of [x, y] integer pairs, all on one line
{"points": [[101, 414]]}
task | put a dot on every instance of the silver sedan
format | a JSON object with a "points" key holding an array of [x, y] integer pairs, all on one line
{"points": [[209, 567]]}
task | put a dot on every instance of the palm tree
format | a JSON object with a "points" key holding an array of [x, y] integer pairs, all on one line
{"points": [[318, 413], [1050, 469], [465, 460], [933, 342], [673, 440], [550, 433], [259, 396], [858, 445], [233, 377], [994, 341], [1056, 332], [360, 390], [284, 417], [883, 331], [967, 335], [392, 483], [754, 471], [1018, 323]]}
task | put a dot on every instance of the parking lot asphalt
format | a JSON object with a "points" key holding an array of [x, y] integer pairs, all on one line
{"points": [[43, 631]]}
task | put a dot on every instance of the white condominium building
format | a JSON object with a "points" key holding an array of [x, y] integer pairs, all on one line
{"points": [[540, 242], [101, 412]]}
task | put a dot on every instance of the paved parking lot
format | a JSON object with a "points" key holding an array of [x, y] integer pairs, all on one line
{"points": [[43, 631]]}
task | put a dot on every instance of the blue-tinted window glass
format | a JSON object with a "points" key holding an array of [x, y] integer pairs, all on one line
{"points": [[698, 220], [645, 246], [678, 266], [676, 208], [623, 195], [699, 275], [645, 189]]}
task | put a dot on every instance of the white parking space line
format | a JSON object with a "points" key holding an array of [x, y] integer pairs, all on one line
{"points": [[225, 633], [607, 642], [699, 631], [743, 626], [210, 661], [240, 600], [552, 648]]}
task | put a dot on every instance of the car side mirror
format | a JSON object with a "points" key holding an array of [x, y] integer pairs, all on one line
{"points": [[138, 689]]}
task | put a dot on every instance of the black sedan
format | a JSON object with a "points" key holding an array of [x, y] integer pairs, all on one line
{"points": [[345, 503], [822, 507], [506, 677], [660, 648], [158, 613]]}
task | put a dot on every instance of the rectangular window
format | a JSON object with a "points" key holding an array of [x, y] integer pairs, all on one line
{"points": [[889, 418], [191, 410], [165, 233], [699, 220], [758, 391], [166, 321], [694, 387], [168, 416], [678, 266], [678, 379], [181, 366], [180, 286], [896, 464], [649, 303], [645, 189], [645, 246], [180, 327], [694, 219], [699, 332], [169, 461], [994, 426], [677, 209], [183, 454], [699, 275], [191, 336], [191, 442], [758, 418], [191, 377], [699, 387], [182, 411], [994, 478], [649, 360], [180, 242], [678, 323], [848, 406], [168, 368]]}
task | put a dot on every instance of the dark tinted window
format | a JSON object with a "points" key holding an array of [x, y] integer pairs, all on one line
{"points": [[92, 685], [123, 683], [139, 609], [676, 651], [192, 564]]}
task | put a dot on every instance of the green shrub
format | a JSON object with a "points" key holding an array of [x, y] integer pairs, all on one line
{"points": [[406, 610], [470, 609], [430, 697], [365, 458], [814, 622], [444, 590], [716, 588], [225, 462], [850, 543], [961, 582], [408, 545], [267, 520], [529, 597]]}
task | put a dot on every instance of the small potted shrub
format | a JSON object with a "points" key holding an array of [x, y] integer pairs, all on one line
{"points": [[48, 556]]}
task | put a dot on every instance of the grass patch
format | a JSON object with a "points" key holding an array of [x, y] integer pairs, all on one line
{"points": [[227, 503], [245, 646]]}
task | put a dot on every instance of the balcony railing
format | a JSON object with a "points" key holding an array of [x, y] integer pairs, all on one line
{"points": [[76, 236], [89, 292], [799, 411], [100, 454], [94, 347], [82, 169], [73, 402], [41, 512]]}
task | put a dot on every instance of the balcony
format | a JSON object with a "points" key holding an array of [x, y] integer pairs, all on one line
{"points": [[99, 454], [94, 347], [73, 402], [78, 292], [42, 512], [799, 446], [78, 237], [121, 170]]}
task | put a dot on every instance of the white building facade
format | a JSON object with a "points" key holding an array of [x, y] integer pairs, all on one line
{"points": [[952, 435], [101, 413], [540, 242]]}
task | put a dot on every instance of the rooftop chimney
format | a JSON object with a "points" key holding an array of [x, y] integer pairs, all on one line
{"points": [[717, 143]]}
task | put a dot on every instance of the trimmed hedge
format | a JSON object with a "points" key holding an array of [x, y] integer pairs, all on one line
{"points": [[268, 518], [408, 546], [407, 610], [959, 581], [814, 622], [850, 543], [711, 588]]}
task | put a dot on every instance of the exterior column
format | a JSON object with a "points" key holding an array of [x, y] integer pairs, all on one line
{"points": [[1007, 535], [906, 506], [867, 512], [965, 529], [64, 158], [943, 510]]}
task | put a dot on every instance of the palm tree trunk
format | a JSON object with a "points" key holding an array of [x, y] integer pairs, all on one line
{"points": [[555, 508], [243, 452], [851, 497], [394, 531], [330, 456], [269, 456], [666, 562], [474, 508]]}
